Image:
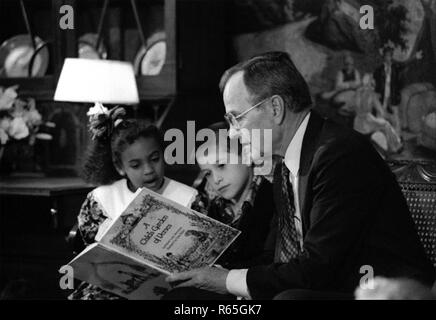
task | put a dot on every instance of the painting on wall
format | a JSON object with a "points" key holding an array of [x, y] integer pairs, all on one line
{"points": [[380, 81]]}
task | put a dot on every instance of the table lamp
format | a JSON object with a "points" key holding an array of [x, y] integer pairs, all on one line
{"points": [[97, 81]]}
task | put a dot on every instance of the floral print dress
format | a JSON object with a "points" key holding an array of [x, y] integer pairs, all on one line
{"points": [[90, 218]]}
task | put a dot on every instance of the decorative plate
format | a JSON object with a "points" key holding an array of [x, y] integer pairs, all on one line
{"points": [[150, 60], [87, 47], [16, 54]]}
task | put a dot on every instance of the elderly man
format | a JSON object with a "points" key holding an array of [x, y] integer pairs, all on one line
{"points": [[340, 211]]}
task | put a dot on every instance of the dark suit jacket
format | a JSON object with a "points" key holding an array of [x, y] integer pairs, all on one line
{"points": [[255, 244], [353, 214], [396, 84]]}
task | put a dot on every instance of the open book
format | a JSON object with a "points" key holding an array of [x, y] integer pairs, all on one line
{"points": [[151, 239]]}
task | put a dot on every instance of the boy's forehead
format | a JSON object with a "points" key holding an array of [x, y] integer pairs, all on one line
{"points": [[214, 154], [210, 149]]}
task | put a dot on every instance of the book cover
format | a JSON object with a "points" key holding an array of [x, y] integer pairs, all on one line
{"points": [[168, 236], [151, 239]]}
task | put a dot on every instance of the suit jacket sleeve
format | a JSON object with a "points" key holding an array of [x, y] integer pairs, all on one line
{"points": [[258, 233], [341, 195], [266, 253]]}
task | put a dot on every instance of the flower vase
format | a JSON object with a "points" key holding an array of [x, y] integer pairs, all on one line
{"points": [[17, 157]]}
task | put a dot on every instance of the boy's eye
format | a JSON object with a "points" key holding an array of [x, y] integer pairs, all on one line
{"points": [[155, 159]]}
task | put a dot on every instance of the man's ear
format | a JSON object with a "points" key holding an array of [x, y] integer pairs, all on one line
{"points": [[278, 108]]}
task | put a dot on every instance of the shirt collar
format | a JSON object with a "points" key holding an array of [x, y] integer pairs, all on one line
{"points": [[293, 152]]}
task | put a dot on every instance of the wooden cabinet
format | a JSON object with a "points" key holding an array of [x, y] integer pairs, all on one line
{"points": [[120, 35], [12, 24]]}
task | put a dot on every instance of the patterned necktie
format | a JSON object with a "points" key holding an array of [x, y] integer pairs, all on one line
{"points": [[288, 246]]}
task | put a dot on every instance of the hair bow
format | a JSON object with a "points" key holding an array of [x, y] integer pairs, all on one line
{"points": [[102, 121]]}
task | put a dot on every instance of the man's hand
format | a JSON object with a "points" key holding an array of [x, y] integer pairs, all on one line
{"points": [[207, 278]]}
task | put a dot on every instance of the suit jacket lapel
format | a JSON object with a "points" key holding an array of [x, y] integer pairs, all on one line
{"points": [[308, 149]]}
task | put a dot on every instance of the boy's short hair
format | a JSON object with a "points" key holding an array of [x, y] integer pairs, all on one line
{"points": [[216, 128]]}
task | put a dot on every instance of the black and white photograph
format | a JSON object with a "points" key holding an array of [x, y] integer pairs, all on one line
{"points": [[307, 128]]}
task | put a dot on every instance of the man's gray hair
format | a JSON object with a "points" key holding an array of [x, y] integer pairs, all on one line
{"points": [[272, 73]]}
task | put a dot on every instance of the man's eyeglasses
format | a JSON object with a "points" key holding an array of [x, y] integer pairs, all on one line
{"points": [[232, 120]]}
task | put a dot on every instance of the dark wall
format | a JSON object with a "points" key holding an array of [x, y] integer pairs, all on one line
{"points": [[204, 52]]}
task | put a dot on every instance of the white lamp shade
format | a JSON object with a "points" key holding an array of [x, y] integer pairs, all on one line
{"points": [[104, 81]]}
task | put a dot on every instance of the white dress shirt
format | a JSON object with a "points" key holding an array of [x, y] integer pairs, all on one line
{"points": [[236, 281]]}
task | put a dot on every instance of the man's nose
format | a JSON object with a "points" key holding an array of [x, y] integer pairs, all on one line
{"points": [[234, 133]]}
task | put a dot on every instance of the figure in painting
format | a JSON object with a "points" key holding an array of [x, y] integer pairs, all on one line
{"points": [[347, 81], [370, 116], [389, 83]]}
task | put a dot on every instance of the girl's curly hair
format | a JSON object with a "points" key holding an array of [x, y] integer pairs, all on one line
{"points": [[111, 135]]}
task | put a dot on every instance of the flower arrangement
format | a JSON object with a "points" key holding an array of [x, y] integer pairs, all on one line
{"points": [[19, 119]]}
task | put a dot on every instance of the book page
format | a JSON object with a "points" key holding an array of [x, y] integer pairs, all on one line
{"points": [[118, 274], [106, 224], [167, 235]]}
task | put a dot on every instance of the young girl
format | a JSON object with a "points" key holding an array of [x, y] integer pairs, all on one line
{"points": [[232, 194], [125, 155]]}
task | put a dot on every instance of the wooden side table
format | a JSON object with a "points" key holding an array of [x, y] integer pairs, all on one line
{"points": [[55, 190], [35, 216]]}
